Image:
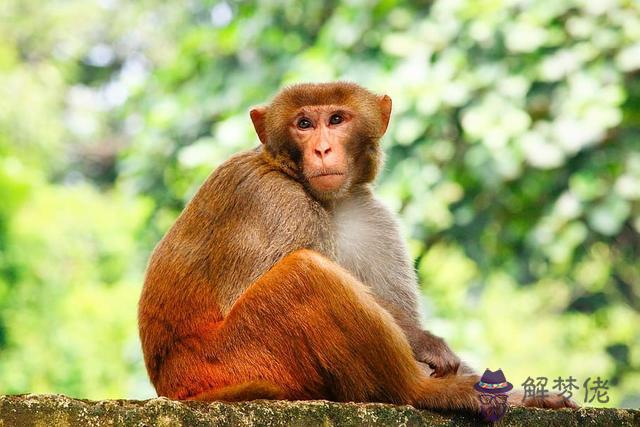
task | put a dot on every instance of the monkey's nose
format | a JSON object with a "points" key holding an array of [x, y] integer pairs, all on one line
{"points": [[322, 152]]}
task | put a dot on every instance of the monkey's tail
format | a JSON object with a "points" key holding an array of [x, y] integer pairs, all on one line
{"points": [[250, 390]]}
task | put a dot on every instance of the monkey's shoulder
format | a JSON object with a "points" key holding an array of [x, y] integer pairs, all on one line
{"points": [[242, 214], [248, 180], [247, 197]]}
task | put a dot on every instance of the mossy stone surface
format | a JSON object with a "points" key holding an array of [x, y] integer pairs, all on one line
{"points": [[57, 410]]}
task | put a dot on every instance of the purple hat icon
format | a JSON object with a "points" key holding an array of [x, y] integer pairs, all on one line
{"points": [[493, 382]]}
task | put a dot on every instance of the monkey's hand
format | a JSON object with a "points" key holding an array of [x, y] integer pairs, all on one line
{"points": [[435, 352]]}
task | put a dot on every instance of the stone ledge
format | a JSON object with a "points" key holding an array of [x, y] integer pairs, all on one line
{"points": [[57, 410]]}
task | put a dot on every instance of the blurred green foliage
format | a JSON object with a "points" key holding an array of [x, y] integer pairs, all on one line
{"points": [[513, 160]]}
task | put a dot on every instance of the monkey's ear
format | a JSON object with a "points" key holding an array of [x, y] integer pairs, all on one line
{"points": [[257, 117], [385, 110]]}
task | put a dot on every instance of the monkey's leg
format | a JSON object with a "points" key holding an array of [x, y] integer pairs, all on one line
{"points": [[313, 331]]}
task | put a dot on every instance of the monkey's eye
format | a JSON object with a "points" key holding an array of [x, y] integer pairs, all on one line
{"points": [[336, 119], [304, 123]]}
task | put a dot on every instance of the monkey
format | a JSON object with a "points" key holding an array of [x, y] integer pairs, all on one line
{"points": [[285, 278]]}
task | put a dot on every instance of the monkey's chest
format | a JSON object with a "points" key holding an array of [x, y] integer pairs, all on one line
{"points": [[362, 249]]}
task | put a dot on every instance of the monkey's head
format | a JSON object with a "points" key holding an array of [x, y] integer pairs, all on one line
{"points": [[325, 135]]}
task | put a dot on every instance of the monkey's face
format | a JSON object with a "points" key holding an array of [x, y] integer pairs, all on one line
{"points": [[326, 135], [321, 134]]}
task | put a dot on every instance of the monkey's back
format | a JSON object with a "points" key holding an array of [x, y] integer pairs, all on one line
{"points": [[245, 217]]}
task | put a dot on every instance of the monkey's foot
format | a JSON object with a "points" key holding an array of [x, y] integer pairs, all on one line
{"points": [[551, 401]]}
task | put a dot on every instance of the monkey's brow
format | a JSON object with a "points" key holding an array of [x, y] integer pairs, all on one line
{"points": [[334, 108]]}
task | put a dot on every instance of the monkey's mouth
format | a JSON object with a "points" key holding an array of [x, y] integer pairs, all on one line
{"points": [[327, 174], [327, 180]]}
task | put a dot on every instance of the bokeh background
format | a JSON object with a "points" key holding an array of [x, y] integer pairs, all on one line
{"points": [[513, 159]]}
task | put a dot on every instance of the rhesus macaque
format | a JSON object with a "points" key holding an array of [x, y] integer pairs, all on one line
{"points": [[285, 278]]}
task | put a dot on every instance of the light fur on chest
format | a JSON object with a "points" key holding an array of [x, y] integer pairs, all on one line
{"points": [[368, 244]]}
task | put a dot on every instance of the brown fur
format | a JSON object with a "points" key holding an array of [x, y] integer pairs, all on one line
{"points": [[251, 390], [243, 298]]}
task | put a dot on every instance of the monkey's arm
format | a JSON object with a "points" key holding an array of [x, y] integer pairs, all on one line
{"points": [[427, 348], [365, 226]]}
